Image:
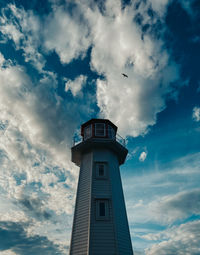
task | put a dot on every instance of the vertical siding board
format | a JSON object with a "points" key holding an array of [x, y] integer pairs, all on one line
{"points": [[102, 232], [121, 221], [80, 231]]}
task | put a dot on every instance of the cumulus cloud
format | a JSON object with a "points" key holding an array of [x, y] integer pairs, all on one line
{"points": [[61, 32], [67, 34], [37, 124], [183, 239], [24, 29], [34, 110], [120, 45], [40, 116], [36, 128], [76, 85], [196, 114]]}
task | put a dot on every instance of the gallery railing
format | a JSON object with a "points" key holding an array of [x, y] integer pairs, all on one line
{"points": [[78, 139]]}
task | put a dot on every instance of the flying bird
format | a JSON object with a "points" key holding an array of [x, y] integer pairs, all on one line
{"points": [[125, 75]]}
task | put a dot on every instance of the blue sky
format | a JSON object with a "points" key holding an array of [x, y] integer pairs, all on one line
{"points": [[60, 65]]}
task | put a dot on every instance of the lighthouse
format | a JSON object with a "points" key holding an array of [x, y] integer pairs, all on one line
{"points": [[100, 225]]}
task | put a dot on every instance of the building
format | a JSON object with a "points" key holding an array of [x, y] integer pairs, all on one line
{"points": [[100, 225]]}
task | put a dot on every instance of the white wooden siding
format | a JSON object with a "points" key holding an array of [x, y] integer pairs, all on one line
{"points": [[121, 222], [80, 231], [102, 233], [97, 237]]}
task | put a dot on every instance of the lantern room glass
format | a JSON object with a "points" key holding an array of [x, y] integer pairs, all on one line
{"points": [[87, 132], [111, 132], [100, 129]]}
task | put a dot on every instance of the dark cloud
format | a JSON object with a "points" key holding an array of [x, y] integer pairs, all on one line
{"points": [[35, 208], [13, 236], [183, 204], [187, 201]]}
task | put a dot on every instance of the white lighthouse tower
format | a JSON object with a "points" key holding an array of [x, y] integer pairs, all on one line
{"points": [[100, 225]]}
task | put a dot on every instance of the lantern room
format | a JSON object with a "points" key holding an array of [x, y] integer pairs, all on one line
{"points": [[98, 128], [99, 133]]}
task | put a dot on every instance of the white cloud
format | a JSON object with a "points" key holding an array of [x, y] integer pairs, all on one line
{"points": [[76, 85], [143, 156], [34, 117], [67, 34], [39, 114], [24, 28], [36, 128], [11, 31], [36, 133], [119, 45], [196, 114], [7, 252], [183, 239]]}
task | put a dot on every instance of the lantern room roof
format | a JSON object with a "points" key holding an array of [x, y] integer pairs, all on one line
{"points": [[92, 121]]}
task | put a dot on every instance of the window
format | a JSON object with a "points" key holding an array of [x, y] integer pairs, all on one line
{"points": [[101, 170], [111, 132], [102, 209], [100, 129], [87, 132]]}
